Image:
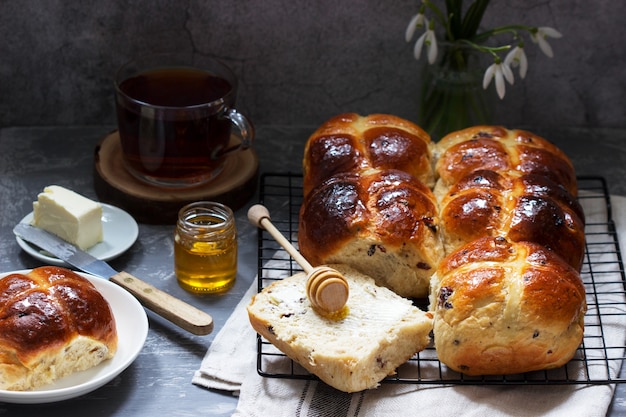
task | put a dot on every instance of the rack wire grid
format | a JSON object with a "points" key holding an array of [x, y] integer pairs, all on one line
{"points": [[598, 360]]}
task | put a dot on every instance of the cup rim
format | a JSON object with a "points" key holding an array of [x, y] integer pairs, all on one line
{"points": [[220, 102]]}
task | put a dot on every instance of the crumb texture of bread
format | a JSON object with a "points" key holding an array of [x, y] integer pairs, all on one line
{"points": [[53, 322], [378, 331]]}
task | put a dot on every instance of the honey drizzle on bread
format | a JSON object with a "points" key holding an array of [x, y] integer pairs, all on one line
{"points": [[350, 352]]}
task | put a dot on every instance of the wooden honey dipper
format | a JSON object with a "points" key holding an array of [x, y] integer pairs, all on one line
{"points": [[326, 287]]}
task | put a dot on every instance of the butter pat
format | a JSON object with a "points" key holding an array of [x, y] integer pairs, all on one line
{"points": [[69, 215]]}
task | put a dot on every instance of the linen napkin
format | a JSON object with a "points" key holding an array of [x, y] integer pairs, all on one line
{"points": [[259, 396]]}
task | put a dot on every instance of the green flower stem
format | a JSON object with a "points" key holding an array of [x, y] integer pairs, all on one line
{"points": [[455, 10], [472, 19], [502, 29], [457, 26], [443, 112], [452, 95], [493, 50]]}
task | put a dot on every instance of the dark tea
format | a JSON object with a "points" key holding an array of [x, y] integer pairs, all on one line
{"points": [[172, 125]]}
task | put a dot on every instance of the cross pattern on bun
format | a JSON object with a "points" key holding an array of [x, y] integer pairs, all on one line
{"points": [[53, 322], [508, 298], [521, 207], [505, 308], [501, 150], [383, 223], [368, 201], [353, 143], [490, 186], [352, 351]]}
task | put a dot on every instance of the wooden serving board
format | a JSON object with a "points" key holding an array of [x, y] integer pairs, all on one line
{"points": [[147, 203]]}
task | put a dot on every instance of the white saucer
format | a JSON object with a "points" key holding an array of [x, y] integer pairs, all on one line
{"points": [[132, 330], [119, 231]]}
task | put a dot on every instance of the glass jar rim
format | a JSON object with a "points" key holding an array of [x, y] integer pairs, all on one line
{"points": [[212, 208]]}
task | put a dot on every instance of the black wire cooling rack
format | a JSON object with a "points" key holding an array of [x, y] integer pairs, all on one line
{"points": [[599, 358]]}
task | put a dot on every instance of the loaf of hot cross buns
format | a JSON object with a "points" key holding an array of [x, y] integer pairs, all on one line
{"points": [[508, 297], [504, 198], [53, 322], [368, 202]]}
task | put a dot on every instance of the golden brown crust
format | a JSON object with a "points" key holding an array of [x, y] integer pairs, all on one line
{"points": [[383, 223], [503, 307], [334, 212], [503, 211], [43, 311], [368, 201], [527, 207], [498, 149], [350, 142], [508, 297]]}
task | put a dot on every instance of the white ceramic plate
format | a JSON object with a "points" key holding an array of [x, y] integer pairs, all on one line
{"points": [[132, 330], [119, 231]]}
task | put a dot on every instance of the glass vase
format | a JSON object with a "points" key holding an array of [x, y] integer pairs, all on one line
{"points": [[452, 96]]}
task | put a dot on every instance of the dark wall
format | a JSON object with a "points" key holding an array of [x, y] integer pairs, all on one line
{"points": [[299, 62]]}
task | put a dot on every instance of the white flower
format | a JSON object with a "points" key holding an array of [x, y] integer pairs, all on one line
{"points": [[515, 57], [500, 71], [417, 22], [430, 40], [539, 36]]}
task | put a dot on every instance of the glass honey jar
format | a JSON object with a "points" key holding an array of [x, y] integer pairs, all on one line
{"points": [[205, 247]]}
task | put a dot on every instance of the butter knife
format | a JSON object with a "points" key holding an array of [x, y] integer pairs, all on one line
{"points": [[167, 306]]}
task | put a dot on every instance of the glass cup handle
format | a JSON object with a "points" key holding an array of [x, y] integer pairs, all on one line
{"points": [[245, 127]]}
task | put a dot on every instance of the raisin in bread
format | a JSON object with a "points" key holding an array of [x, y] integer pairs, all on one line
{"points": [[506, 307]]}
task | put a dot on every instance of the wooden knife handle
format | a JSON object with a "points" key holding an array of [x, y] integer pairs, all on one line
{"points": [[171, 308]]}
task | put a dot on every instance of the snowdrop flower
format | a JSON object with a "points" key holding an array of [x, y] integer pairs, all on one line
{"points": [[500, 71], [462, 30], [418, 21], [430, 40], [539, 36], [517, 57]]}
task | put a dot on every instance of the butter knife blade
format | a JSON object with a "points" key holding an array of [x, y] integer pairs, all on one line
{"points": [[167, 306]]}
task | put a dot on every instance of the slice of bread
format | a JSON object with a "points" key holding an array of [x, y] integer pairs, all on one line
{"points": [[377, 331]]}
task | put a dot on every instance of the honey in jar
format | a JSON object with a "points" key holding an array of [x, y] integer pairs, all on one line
{"points": [[205, 247]]}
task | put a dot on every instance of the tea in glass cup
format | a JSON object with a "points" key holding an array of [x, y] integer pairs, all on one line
{"points": [[175, 116]]}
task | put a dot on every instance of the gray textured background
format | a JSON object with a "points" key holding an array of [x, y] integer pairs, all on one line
{"points": [[299, 62]]}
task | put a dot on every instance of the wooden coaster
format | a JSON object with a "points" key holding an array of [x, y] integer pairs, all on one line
{"points": [[114, 185]]}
